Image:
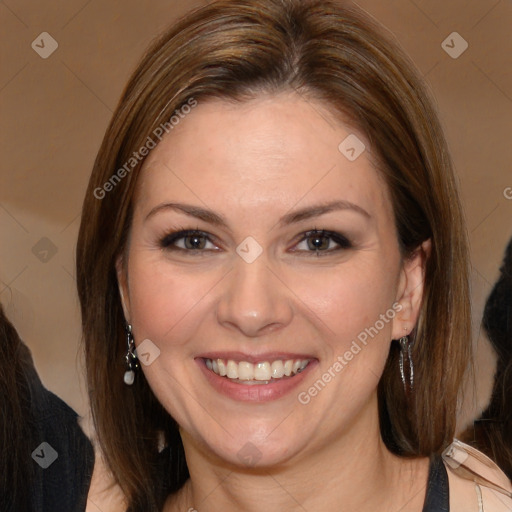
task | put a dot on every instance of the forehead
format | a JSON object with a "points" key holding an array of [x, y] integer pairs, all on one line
{"points": [[269, 151]]}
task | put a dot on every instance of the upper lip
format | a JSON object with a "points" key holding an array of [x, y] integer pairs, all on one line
{"points": [[255, 358]]}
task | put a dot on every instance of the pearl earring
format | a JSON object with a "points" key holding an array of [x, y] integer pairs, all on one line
{"points": [[132, 363]]}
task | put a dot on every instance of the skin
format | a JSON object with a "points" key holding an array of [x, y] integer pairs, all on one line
{"points": [[253, 163]]}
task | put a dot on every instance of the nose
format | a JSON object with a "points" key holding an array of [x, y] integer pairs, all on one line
{"points": [[254, 300]]}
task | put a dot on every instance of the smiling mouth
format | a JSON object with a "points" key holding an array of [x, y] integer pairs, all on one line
{"points": [[263, 372]]}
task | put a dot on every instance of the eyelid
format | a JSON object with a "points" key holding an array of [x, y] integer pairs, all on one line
{"points": [[341, 240], [168, 240]]}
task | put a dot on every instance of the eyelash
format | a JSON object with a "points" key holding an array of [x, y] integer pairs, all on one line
{"points": [[168, 241]]}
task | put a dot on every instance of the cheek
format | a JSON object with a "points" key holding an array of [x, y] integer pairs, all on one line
{"points": [[166, 304], [348, 299], [353, 309], [163, 298]]}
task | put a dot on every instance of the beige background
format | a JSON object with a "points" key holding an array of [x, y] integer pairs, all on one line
{"points": [[54, 112]]}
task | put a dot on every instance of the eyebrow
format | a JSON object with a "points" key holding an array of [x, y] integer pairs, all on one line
{"points": [[290, 218]]}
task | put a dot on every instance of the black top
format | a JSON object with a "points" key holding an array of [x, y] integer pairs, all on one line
{"points": [[438, 494], [62, 455]]}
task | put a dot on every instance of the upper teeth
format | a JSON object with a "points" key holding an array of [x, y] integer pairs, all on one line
{"points": [[259, 371]]}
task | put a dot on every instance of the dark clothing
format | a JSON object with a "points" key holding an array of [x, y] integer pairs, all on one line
{"points": [[438, 495], [63, 485]]}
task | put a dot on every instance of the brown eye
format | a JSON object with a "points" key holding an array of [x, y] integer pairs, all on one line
{"points": [[320, 241], [194, 241], [187, 241]]}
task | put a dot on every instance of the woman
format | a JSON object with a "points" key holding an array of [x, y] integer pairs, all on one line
{"points": [[47, 460], [272, 205], [492, 432]]}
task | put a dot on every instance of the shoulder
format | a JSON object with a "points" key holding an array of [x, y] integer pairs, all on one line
{"points": [[63, 453], [476, 483]]}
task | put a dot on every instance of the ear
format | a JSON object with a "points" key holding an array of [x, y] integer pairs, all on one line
{"points": [[122, 281], [410, 290]]}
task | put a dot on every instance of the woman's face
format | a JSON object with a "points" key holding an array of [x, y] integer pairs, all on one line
{"points": [[290, 279]]}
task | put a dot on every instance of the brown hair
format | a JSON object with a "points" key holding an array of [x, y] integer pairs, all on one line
{"points": [[492, 432], [328, 53], [16, 421]]}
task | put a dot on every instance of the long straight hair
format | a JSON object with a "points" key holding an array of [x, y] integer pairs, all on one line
{"points": [[492, 432], [326, 52], [16, 421]]}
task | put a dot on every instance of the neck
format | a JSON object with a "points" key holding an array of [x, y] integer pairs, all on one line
{"points": [[354, 470]]}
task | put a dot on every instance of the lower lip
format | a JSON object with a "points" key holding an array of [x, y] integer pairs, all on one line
{"points": [[255, 392]]}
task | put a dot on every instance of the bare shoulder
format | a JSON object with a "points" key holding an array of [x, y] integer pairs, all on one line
{"points": [[476, 483]]}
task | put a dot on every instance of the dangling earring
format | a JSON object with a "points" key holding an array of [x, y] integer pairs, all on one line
{"points": [[132, 363], [405, 353]]}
